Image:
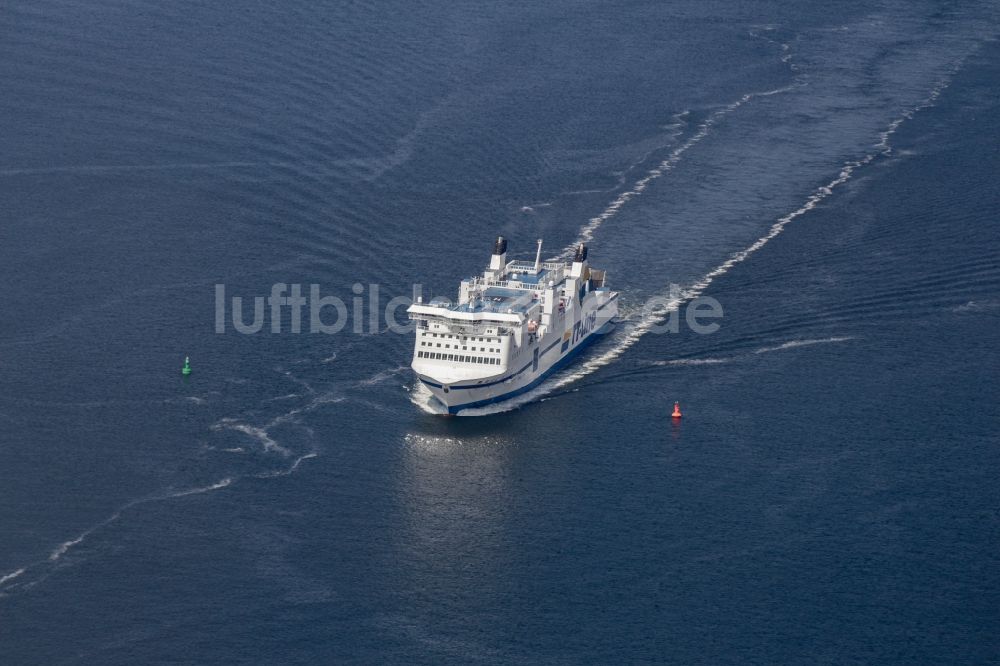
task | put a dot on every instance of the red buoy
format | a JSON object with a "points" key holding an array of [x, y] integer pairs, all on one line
{"points": [[677, 410]]}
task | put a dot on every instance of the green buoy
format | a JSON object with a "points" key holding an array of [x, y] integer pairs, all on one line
{"points": [[186, 370]]}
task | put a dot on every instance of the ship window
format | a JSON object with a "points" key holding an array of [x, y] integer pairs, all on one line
{"points": [[439, 344], [437, 356]]}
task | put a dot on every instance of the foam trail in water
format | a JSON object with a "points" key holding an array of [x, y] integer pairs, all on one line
{"points": [[259, 434], [974, 306], [7, 581], [422, 397], [198, 491], [586, 233], [64, 547], [285, 472], [57, 553], [692, 361], [791, 344], [11, 576], [696, 289], [382, 376]]}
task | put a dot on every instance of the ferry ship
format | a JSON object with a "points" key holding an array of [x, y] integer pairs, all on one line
{"points": [[512, 327]]}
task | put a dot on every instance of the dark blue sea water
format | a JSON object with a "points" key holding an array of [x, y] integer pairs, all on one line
{"points": [[827, 173]]}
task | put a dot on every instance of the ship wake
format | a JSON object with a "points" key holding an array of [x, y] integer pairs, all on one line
{"points": [[636, 324]]}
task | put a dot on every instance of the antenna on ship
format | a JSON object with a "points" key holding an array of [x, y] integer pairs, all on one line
{"points": [[538, 257]]}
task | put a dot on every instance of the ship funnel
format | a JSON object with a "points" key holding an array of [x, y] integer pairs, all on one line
{"points": [[499, 258], [501, 246], [579, 261], [538, 257]]}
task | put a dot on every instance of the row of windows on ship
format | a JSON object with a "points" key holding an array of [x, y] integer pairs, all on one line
{"points": [[458, 357], [424, 343], [460, 337]]}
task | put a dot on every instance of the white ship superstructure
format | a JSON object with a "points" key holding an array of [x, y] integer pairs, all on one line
{"points": [[510, 328]]}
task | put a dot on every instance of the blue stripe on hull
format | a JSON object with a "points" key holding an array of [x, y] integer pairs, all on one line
{"points": [[538, 380]]}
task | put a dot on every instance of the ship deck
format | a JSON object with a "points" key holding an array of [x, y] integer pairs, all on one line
{"points": [[498, 299]]}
